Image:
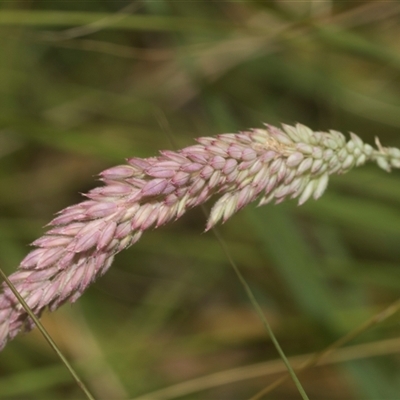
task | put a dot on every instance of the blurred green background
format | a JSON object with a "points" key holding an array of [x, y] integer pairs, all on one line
{"points": [[85, 84]]}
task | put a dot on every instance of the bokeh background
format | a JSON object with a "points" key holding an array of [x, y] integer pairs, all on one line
{"points": [[85, 84]]}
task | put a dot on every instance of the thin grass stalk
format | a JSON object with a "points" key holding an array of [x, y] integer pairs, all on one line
{"points": [[48, 338], [316, 358], [261, 315], [272, 367]]}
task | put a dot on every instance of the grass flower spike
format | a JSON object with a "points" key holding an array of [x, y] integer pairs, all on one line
{"points": [[271, 164]]}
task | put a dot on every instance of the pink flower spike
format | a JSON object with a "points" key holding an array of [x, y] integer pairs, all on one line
{"points": [[180, 178], [154, 187], [31, 259], [141, 216], [193, 167], [140, 163], [235, 151], [173, 156], [229, 166], [219, 150], [86, 242], [68, 218], [49, 257], [249, 155], [69, 230], [120, 172], [101, 210], [114, 190], [217, 162], [52, 241], [122, 230], [150, 220], [83, 239], [106, 235], [164, 215]]}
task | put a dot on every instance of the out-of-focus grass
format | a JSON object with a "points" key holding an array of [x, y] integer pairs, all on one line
{"points": [[76, 101]]}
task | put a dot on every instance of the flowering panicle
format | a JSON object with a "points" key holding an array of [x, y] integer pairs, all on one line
{"points": [[270, 164]]}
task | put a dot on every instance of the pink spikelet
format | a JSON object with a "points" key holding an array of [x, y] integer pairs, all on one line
{"points": [[269, 164]]}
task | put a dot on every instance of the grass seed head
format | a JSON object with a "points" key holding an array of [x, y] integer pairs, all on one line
{"points": [[269, 164]]}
